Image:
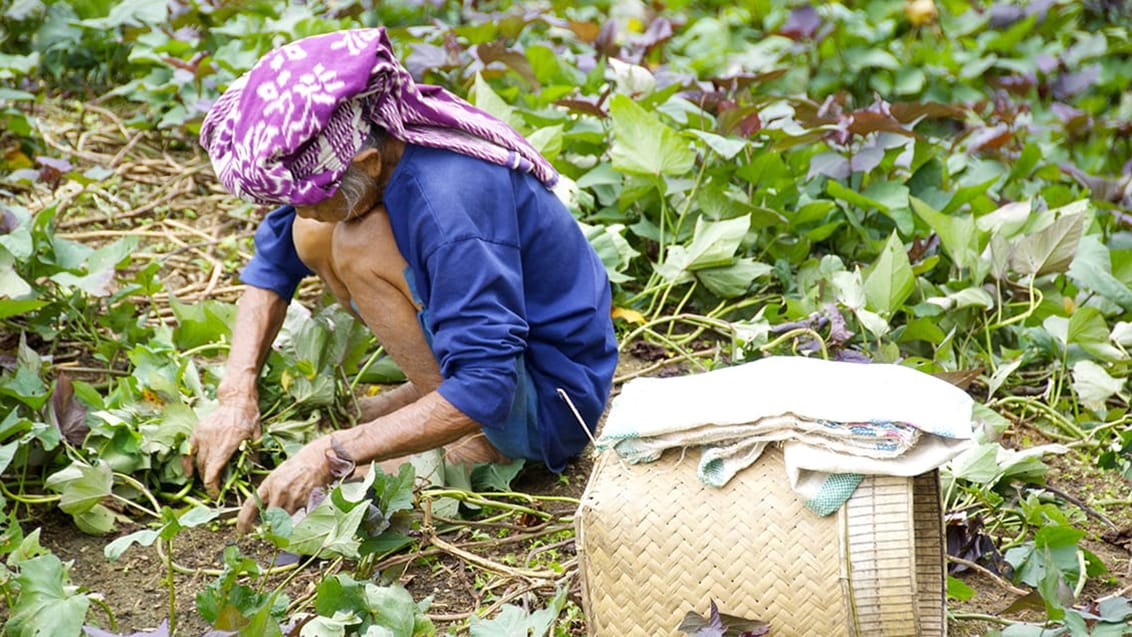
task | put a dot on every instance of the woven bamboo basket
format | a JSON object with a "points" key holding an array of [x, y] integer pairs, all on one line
{"points": [[654, 543]]}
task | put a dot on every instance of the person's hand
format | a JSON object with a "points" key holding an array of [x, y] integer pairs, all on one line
{"points": [[290, 484], [217, 437]]}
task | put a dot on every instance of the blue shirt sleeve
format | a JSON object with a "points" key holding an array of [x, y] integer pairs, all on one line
{"points": [[276, 265], [477, 316]]}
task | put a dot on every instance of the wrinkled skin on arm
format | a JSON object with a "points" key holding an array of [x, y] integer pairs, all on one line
{"points": [[422, 425], [364, 268], [259, 315]]}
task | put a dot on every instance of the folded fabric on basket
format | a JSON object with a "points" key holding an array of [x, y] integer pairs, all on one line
{"points": [[836, 422]]}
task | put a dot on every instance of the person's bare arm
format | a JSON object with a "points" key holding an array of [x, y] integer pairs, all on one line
{"points": [[387, 402], [424, 424], [259, 315]]}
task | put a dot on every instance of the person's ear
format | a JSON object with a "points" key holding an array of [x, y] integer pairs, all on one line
{"points": [[369, 162]]}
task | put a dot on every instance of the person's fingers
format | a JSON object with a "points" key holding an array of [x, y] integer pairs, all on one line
{"points": [[247, 516], [250, 511], [188, 460], [212, 465]]}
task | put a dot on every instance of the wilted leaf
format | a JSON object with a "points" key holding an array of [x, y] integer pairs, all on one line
{"points": [[966, 539], [340, 461], [627, 315], [67, 413], [961, 378]]}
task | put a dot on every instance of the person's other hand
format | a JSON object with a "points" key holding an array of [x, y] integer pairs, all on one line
{"points": [[217, 437], [289, 485]]}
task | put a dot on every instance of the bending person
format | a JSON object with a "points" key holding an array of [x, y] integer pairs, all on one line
{"points": [[434, 223]]}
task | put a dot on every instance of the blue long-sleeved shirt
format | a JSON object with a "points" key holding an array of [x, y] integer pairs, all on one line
{"points": [[503, 271]]}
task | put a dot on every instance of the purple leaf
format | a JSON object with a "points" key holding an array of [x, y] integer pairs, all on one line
{"points": [[714, 623], [866, 159], [659, 32], [1066, 112], [286, 559], [1069, 84], [1039, 8], [66, 413], [183, 76], [718, 624], [1046, 63], [851, 356], [829, 164], [1004, 15], [838, 332], [340, 461], [61, 165], [427, 57], [606, 42], [1018, 84], [802, 24], [8, 221]]}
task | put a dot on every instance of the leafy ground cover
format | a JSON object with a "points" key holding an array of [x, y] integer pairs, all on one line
{"points": [[942, 184]]}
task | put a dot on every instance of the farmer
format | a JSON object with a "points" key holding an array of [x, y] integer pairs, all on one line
{"points": [[434, 223]]}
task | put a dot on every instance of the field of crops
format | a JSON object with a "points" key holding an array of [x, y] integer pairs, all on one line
{"points": [[944, 184]]}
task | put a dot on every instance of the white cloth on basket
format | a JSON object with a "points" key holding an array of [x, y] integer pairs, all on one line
{"points": [[836, 422]]}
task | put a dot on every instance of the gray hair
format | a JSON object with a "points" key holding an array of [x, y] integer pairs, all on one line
{"points": [[353, 183]]}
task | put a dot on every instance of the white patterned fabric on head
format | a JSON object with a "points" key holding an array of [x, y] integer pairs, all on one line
{"points": [[286, 131]]}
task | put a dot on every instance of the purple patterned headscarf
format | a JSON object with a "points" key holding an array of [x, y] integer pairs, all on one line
{"points": [[286, 131]]}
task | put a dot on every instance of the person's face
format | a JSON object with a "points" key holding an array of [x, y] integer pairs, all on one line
{"points": [[358, 192]]}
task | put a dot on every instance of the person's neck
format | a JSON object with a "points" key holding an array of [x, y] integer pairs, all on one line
{"points": [[391, 152]]}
